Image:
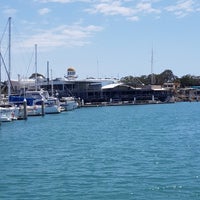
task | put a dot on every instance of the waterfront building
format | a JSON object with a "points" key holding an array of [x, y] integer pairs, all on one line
{"points": [[93, 90]]}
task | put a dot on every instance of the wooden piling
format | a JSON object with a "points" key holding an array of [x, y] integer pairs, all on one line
{"points": [[25, 109], [43, 112]]}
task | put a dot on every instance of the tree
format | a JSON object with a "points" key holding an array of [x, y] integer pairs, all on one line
{"points": [[159, 79], [166, 76], [189, 80]]}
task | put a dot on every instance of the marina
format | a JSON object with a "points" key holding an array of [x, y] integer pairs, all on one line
{"points": [[39, 95], [99, 100], [98, 138]]}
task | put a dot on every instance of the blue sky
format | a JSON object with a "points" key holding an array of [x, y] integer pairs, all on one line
{"points": [[102, 38]]}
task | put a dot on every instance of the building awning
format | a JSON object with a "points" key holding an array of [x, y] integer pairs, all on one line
{"points": [[111, 86]]}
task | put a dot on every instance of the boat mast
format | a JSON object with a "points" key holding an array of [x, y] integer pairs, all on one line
{"points": [[9, 57], [97, 68], [51, 84], [47, 74], [0, 71], [152, 75], [35, 67]]}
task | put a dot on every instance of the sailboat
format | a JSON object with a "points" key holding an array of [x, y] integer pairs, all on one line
{"points": [[38, 99], [8, 112], [51, 103]]}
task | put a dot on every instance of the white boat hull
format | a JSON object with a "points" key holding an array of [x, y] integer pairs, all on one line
{"points": [[68, 103], [8, 114]]}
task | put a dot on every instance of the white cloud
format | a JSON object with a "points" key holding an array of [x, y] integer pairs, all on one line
{"points": [[9, 11], [134, 18], [62, 36], [44, 11], [146, 7], [182, 8], [54, 1], [113, 8], [124, 8], [130, 9], [61, 1]]}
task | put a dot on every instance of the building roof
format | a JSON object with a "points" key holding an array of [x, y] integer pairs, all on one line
{"points": [[111, 86], [71, 69]]}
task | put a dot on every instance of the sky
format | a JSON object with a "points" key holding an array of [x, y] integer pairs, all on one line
{"points": [[101, 38]]}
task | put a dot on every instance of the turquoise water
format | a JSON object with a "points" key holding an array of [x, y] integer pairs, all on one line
{"points": [[121, 153]]}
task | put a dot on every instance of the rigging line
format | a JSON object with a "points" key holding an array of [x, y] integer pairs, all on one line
{"points": [[4, 32], [29, 64], [6, 70], [26, 60], [6, 51]]}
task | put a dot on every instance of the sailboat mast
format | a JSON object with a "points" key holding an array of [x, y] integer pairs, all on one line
{"points": [[35, 67], [152, 75], [51, 83], [97, 68], [9, 57], [0, 72], [47, 73]]}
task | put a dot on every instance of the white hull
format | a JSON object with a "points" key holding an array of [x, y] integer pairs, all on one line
{"points": [[52, 109], [34, 110], [51, 104], [8, 114], [5, 118], [37, 110], [68, 103]]}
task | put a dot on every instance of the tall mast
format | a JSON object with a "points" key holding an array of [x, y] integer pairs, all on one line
{"points": [[152, 75], [97, 68], [47, 74], [35, 67], [0, 71], [9, 57], [51, 83]]}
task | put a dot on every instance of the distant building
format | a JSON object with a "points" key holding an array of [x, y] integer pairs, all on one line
{"points": [[71, 74], [92, 89]]}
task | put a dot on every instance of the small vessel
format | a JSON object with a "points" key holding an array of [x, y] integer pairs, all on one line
{"points": [[5, 115], [35, 101], [8, 113], [52, 105], [68, 103]]}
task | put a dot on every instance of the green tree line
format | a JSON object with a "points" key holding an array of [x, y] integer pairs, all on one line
{"points": [[166, 76]]}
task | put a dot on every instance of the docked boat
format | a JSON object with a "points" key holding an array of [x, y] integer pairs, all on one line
{"points": [[5, 115], [52, 105], [32, 108], [8, 113], [36, 100], [68, 103]]}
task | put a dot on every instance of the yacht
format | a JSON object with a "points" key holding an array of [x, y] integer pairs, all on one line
{"points": [[8, 113], [68, 103], [36, 100]]}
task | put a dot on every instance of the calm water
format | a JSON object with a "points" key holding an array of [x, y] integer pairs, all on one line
{"points": [[119, 153]]}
